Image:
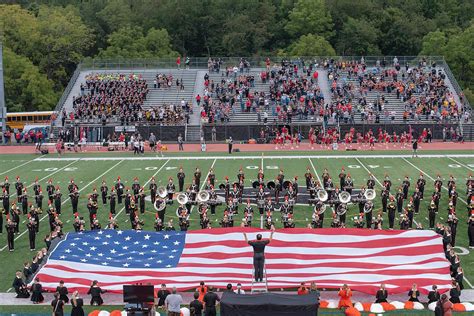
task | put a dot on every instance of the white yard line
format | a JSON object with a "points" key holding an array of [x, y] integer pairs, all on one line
{"points": [[315, 172], [261, 163], [146, 183], [23, 164], [204, 183], [42, 218], [363, 166], [44, 178], [255, 157], [460, 163]]}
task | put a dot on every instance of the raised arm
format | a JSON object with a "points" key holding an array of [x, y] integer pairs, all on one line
{"points": [[246, 239], [271, 236]]}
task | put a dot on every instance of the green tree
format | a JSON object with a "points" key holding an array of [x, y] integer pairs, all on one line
{"points": [[434, 44], [311, 45], [26, 89], [129, 42], [117, 14], [358, 37], [310, 17], [459, 55]]}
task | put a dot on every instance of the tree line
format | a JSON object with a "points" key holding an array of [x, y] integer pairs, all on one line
{"points": [[44, 40]]}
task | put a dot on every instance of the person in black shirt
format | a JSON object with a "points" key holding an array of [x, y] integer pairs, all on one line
{"points": [[433, 296], [20, 286], [37, 292], [382, 294], [77, 303], [196, 306], [63, 292], [210, 301], [57, 305], [162, 294], [95, 292], [413, 294], [259, 254]]}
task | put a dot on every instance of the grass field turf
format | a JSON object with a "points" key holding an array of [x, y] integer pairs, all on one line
{"points": [[89, 174]]}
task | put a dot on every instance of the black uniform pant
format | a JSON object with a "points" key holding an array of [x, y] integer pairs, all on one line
{"points": [[230, 148], [258, 263], [470, 233], [32, 237], [11, 241], [432, 217], [213, 209], [342, 218], [368, 219], [181, 184], [416, 206], [400, 207], [410, 219], [210, 311], [104, 198], [161, 215], [391, 218], [384, 205]]}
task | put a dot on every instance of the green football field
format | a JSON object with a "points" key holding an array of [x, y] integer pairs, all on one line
{"points": [[88, 171]]}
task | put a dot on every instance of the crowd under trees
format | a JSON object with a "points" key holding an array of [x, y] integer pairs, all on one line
{"points": [[44, 40]]}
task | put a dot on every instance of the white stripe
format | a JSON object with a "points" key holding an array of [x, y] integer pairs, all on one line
{"points": [[23, 164], [460, 163], [204, 183], [68, 198], [363, 166], [302, 156], [315, 172], [192, 238]]}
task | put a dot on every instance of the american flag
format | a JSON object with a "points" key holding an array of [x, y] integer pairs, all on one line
{"points": [[330, 257]]}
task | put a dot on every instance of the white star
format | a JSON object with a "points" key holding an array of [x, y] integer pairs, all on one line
{"points": [[73, 244], [62, 257], [171, 257], [113, 251], [88, 255], [100, 254], [67, 251], [136, 242], [92, 248], [156, 243], [108, 258], [108, 236], [128, 238], [174, 250], [176, 243], [126, 265], [159, 261], [77, 238], [129, 258], [147, 264], [165, 247], [119, 232], [100, 232], [85, 243], [83, 260], [147, 237], [168, 266], [125, 247], [105, 264], [97, 238], [116, 242], [145, 246], [141, 253], [153, 251], [167, 236]]}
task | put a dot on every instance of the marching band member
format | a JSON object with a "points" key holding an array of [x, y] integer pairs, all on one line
{"points": [[119, 189], [136, 188], [286, 208], [225, 222], [371, 182], [50, 189], [202, 209], [72, 186], [32, 230], [453, 224], [406, 186], [194, 189], [92, 207], [391, 212], [342, 211], [181, 175], [454, 196], [15, 213], [404, 221], [438, 184], [348, 184], [212, 200], [420, 183], [436, 197], [378, 222], [260, 177], [5, 203], [137, 223], [416, 200], [11, 229], [384, 195], [409, 210], [451, 184], [326, 177], [78, 223], [104, 189], [260, 198], [183, 221], [318, 209], [39, 199], [204, 222], [36, 186], [197, 177], [315, 220], [94, 195], [169, 225], [211, 177], [153, 187], [127, 200], [158, 223], [141, 200], [342, 178], [170, 188], [181, 210], [74, 196], [113, 200], [359, 221], [24, 201], [19, 188], [400, 198], [269, 222], [95, 225], [432, 214], [308, 176], [387, 183], [6, 185], [112, 224], [234, 196]]}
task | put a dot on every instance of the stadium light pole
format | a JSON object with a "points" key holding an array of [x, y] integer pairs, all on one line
{"points": [[3, 107]]}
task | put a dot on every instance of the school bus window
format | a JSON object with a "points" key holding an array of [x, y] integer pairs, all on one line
{"points": [[30, 118]]}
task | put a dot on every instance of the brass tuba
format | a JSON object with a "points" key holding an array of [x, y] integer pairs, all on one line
{"points": [[370, 194], [159, 205], [322, 209], [162, 192], [203, 196], [182, 198], [322, 195], [344, 197]]}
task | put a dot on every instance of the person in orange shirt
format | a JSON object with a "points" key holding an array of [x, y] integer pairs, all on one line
{"points": [[202, 290], [303, 290], [345, 294]]}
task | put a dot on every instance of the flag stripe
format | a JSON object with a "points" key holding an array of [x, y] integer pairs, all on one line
{"points": [[330, 257]]}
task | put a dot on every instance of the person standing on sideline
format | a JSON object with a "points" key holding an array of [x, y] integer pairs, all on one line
{"points": [[230, 142], [214, 134], [173, 303], [259, 254], [210, 302], [196, 305], [415, 148], [152, 142], [180, 143]]}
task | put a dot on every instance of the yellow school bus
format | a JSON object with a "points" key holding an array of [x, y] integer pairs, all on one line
{"points": [[18, 120]]}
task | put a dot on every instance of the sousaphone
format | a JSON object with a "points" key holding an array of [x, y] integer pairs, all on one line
{"points": [[344, 197], [370, 194], [322, 195]]}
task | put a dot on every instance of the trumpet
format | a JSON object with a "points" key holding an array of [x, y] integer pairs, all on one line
{"points": [[322, 195], [162, 192], [203, 196], [344, 197], [370, 194], [182, 198]]}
